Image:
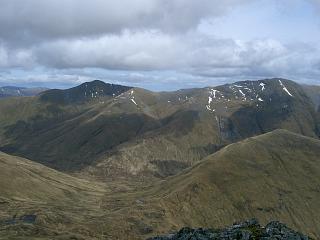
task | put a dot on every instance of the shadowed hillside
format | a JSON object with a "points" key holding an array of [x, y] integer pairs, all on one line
{"points": [[106, 130], [209, 119]]}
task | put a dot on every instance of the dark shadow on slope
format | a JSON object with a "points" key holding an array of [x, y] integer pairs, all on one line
{"points": [[166, 168], [76, 143]]}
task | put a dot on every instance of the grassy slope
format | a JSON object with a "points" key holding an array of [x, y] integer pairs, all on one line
{"points": [[40, 130], [26, 180], [272, 176], [61, 202]]}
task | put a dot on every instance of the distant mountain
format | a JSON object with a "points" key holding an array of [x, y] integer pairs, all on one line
{"points": [[109, 130], [9, 91], [90, 91], [198, 122]]}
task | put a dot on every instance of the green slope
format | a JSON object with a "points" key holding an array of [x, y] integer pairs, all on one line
{"points": [[272, 176], [25, 180]]}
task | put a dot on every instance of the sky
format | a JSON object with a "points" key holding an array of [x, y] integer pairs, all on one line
{"points": [[158, 44]]}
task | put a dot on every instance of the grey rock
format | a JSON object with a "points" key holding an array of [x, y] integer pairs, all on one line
{"points": [[248, 230]]}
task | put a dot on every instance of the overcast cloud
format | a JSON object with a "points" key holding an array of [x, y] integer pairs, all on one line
{"points": [[138, 41], [52, 19]]}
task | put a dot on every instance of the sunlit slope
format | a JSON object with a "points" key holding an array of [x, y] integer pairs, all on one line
{"points": [[24, 180], [272, 176]]}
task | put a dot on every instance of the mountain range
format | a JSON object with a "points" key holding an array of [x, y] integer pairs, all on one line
{"points": [[118, 162], [11, 91], [105, 130]]}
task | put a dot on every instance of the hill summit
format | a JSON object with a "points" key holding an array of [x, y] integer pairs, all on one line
{"points": [[88, 91]]}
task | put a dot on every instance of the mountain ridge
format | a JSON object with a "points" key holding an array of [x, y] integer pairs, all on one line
{"points": [[89, 90], [271, 176], [136, 132]]}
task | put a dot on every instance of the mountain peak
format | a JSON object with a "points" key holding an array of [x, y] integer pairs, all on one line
{"points": [[257, 92], [85, 92], [94, 83]]}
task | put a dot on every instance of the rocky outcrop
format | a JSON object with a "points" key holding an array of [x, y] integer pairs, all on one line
{"points": [[248, 230]]}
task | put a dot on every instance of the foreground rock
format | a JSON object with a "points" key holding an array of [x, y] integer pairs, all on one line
{"points": [[249, 230]]}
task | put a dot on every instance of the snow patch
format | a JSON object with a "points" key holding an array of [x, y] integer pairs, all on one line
{"points": [[209, 108], [214, 92], [242, 93], [284, 88], [262, 85], [132, 100]]}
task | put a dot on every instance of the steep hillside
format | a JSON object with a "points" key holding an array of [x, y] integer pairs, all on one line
{"points": [[272, 176], [25, 180], [208, 119], [68, 135], [109, 130], [37, 202]]}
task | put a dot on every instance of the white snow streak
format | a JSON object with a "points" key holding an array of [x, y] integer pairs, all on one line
{"points": [[263, 86], [285, 89]]}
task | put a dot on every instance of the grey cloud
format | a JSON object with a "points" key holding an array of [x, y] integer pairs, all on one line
{"points": [[192, 53], [157, 51], [27, 21], [128, 51], [47, 79], [139, 35], [15, 57]]}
